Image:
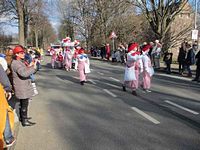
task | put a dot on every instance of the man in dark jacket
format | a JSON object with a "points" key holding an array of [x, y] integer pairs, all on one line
{"points": [[198, 67]]}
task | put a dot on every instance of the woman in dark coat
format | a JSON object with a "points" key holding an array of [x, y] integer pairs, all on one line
{"points": [[22, 82]]}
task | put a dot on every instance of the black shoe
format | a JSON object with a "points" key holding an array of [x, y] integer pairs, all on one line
{"points": [[82, 82], [123, 88], [26, 122], [134, 93], [28, 118]]}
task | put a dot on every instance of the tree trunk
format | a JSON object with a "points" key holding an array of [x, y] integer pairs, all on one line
{"points": [[36, 38], [20, 23]]}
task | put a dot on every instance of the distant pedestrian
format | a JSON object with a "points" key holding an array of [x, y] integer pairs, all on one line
{"points": [[156, 53], [168, 60], [190, 59], [197, 68], [181, 58], [68, 59]]}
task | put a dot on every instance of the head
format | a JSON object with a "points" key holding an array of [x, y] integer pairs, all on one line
{"points": [[132, 47], [146, 49], [19, 52]]}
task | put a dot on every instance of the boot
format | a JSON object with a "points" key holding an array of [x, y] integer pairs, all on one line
{"points": [[123, 88], [20, 115], [24, 120]]}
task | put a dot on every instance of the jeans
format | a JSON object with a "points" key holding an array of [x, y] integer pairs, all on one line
{"points": [[8, 136]]}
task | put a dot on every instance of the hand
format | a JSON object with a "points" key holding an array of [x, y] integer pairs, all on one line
{"points": [[8, 95]]}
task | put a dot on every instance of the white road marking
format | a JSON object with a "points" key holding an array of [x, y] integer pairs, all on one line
{"points": [[181, 107], [114, 79], [100, 73], [112, 85], [92, 81], [173, 76], [145, 115], [110, 93]]}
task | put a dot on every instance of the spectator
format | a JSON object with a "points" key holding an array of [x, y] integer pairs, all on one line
{"points": [[6, 114], [156, 52], [181, 58], [190, 59], [168, 60], [22, 83], [198, 67]]}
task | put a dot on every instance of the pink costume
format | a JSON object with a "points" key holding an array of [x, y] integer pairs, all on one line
{"points": [[53, 57], [131, 77], [82, 62], [148, 69], [68, 59], [108, 51]]}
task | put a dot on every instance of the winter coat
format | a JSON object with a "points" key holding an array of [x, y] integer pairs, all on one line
{"points": [[167, 58], [4, 109], [181, 55], [4, 80], [190, 60], [197, 57], [21, 79]]}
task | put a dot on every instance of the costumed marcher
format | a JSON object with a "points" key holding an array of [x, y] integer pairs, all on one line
{"points": [[76, 52], [68, 59], [53, 58], [108, 53], [22, 83], [83, 65], [133, 66], [60, 60], [147, 68]]}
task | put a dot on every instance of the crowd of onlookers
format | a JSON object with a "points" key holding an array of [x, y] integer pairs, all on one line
{"points": [[17, 84]]}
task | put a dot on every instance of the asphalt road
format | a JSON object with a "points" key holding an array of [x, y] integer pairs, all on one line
{"points": [[100, 116]]}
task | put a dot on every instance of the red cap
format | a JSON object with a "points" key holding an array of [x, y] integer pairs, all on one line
{"points": [[81, 51], [145, 48], [18, 49], [132, 46]]}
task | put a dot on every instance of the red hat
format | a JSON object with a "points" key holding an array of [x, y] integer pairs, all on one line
{"points": [[146, 47], [81, 51], [132, 46], [18, 49]]}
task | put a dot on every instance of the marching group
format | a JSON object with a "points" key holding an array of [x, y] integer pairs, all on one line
{"points": [[17, 82], [71, 57]]}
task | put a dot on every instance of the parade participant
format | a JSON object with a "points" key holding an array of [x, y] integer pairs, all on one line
{"points": [[108, 54], [131, 77], [68, 59], [22, 82], [76, 52], [53, 57], [147, 68], [83, 65], [60, 60]]}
